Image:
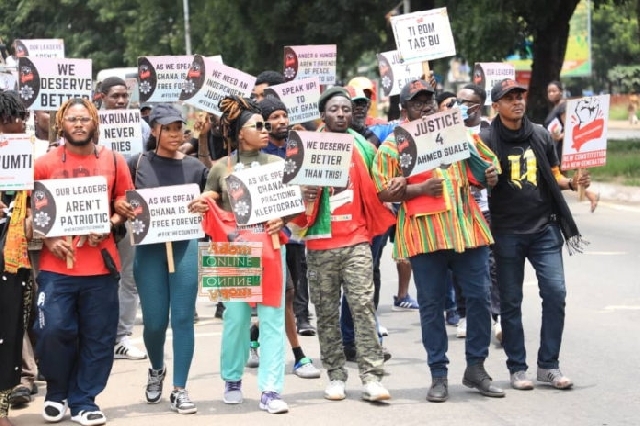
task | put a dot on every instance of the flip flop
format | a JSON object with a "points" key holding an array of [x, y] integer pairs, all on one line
{"points": [[594, 204]]}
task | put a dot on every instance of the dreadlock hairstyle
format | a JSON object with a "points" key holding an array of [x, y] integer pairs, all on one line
{"points": [[62, 112], [11, 107], [236, 111]]}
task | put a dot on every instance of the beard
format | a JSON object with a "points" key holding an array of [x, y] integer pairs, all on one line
{"points": [[82, 142], [281, 135]]}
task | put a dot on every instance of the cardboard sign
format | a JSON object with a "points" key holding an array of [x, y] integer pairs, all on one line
{"points": [[46, 83], [395, 73], [258, 195], [230, 272], [208, 81], [300, 97], [162, 78], [77, 206], [585, 133], [423, 36], [16, 162], [487, 74], [438, 140], [120, 130], [162, 214], [311, 61], [318, 158], [40, 48]]}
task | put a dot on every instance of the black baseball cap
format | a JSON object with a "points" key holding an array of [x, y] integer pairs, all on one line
{"points": [[413, 88], [505, 86], [165, 114]]}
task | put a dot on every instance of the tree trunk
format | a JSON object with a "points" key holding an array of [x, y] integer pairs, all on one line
{"points": [[549, 46]]}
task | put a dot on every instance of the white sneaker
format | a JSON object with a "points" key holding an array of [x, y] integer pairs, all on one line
{"points": [[374, 391], [126, 350], [382, 330], [89, 418], [461, 330], [497, 330], [54, 412], [335, 391]]}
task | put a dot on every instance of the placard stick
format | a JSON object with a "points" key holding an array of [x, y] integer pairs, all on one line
{"points": [[275, 239], [172, 266], [580, 187], [426, 71], [310, 206], [69, 239]]}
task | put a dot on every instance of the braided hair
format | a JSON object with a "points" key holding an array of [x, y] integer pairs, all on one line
{"points": [[11, 106], [62, 112], [236, 111]]}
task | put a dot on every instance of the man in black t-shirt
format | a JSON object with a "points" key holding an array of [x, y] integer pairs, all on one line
{"points": [[529, 219]]}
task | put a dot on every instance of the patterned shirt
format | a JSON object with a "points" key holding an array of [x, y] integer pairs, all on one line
{"points": [[460, 224]]}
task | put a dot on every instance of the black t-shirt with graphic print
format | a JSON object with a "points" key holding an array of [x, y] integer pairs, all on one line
{"points": [[521, 202]]}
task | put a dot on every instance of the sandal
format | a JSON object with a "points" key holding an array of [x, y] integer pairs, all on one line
{"points": [[594, 204]]}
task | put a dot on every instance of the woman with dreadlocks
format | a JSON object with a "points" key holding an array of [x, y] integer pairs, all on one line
{"points": [[245, 131], [165, 295], [15, 284]]}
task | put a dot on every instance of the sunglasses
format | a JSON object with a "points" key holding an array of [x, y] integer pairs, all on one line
{"points": [[260, 125]]}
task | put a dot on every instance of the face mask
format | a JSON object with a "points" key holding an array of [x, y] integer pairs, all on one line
{"points": [[464, 110]]}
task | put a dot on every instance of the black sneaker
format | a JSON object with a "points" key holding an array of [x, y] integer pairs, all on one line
{"points": [[20, 395], [306, 329], [219, 310], [181, 402], [154, 385], [350, 353]]}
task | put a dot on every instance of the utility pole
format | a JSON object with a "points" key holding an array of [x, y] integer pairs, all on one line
{"points": [[187, 27]]}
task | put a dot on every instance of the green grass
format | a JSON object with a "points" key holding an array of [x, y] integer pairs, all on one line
{"points": [[618, 112], [623, 163]]}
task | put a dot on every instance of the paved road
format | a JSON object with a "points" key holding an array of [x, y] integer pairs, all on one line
{"points": [[600, 354]]}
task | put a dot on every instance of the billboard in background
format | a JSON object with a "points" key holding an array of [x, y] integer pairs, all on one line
{"points": [[577, 58]]}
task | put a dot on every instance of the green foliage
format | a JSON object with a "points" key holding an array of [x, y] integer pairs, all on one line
{"points": [[623, 163]]}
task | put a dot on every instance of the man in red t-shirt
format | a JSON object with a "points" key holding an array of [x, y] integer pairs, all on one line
{"points": [[343, 261], [78, 306]]}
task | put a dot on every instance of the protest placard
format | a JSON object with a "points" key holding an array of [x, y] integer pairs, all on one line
{"points": [[78, 206], [121, 131], [46, 83], [40, 48], [585, 133], [437, 140], [300, 97], [16, 162], [162, 78], [162, 214], [208, 81], [318, 158], [317, 60], [230, 272], [487, 74], [423, 36], [395, 73], [257, 194]]}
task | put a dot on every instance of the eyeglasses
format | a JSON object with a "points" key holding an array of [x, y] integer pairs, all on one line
{"points": [[260, 125], [73, 120], [420, 105]]}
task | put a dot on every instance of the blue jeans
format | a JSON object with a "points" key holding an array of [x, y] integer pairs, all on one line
{"points": [[346, 320], [76, 325], [544, 251], [430, 275]]}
